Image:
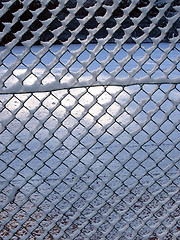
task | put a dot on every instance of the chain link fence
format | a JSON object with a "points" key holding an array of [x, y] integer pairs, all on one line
{"points": [[89, 119]]}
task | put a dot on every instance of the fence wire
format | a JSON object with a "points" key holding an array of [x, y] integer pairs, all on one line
{"points": [[89, 119]]}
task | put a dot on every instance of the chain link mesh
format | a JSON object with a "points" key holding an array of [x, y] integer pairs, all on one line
{"points": [[89, 119]]}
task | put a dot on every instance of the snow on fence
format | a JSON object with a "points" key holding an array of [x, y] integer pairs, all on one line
{"points": [[89, 119]]}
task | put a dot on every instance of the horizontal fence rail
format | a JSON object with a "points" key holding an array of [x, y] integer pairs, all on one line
{"points": [[38, 53], [89, 119]]}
